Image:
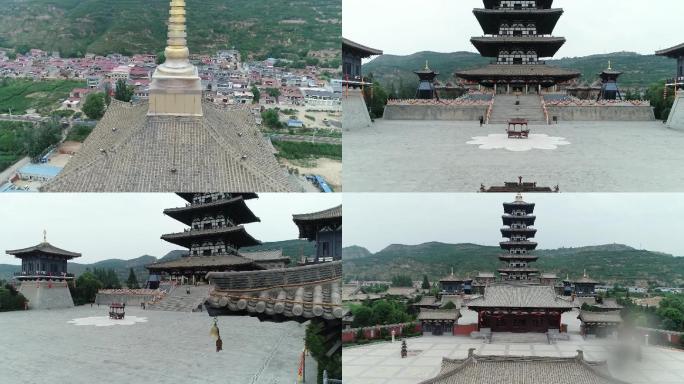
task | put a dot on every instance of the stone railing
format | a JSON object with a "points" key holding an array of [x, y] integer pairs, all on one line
{"points": [[437, 102], [598, 103]]}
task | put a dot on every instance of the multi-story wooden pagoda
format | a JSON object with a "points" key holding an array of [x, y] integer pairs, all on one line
{"points": [[214, 238], [518, 221], [43, 277], [426, 85], [518, 36], [609, 84], [325, 228]]}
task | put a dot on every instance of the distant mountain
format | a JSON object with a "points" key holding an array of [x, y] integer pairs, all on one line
{"points": [[610, 263], [276, 28], [396, 72], [291, 248], [354, 252]]}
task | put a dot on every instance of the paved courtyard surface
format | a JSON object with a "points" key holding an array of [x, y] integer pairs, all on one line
{"points": [[381, 363], [170, 347], [433, 156]]}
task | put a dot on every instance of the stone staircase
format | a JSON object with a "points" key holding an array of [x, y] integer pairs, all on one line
{"points": [[529, 108], [178, 300], [519, 338]]}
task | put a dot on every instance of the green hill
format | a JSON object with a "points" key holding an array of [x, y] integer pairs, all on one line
{"points": [[354, 252], [608, 263], [639, 70], [291, 248], [277, 28]]}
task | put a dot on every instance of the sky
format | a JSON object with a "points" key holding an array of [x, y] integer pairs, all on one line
{"points": [[125, 226], [643, 221], [403, 27]]}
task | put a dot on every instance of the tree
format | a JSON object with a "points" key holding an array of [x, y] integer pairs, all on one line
{"points": [[376, 99], [108, 93], [449, 305], [426, 283], [274, 93], [271, 119], [315, 343], [402, 281], [123, 91], [132, 281], [362, 316], [161, 58], [257, 95], [86, 288], [94, 106]]}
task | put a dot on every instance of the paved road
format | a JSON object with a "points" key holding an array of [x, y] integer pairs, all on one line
{"points": [[308, 139]]}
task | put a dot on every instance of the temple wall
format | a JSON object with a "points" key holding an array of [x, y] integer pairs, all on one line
{"points": [[601, 113], [46, 294], [676, 118], [108, 298], [355, 112], [435, 112]]}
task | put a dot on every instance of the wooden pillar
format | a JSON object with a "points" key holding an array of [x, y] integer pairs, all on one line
{"points": [[495, 88], [527, 89], [508, 88]]}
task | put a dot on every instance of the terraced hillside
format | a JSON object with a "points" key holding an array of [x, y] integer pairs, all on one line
{"points": [[278, 28]]}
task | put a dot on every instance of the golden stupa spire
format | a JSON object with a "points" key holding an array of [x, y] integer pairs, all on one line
{"points": [[176, 88]]}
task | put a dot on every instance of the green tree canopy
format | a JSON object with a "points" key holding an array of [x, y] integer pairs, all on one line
{"points": [[123, 92], [402, 281], [85, 289], [271, 118], [426, 283], [132, 281], [94, 106], [256, 95]]}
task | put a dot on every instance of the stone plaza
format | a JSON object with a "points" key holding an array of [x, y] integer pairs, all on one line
{"points": [[152, 347], [381, 363], [435, 156]]}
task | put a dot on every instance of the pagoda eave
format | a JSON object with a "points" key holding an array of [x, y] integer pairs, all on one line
{"points": [[544, 19], [528, 232], [527, 245], [510, 256], [236, 236], [508, 219], [544, 46], [526, 73], [235, 208], [541, 4], [510, 207]]}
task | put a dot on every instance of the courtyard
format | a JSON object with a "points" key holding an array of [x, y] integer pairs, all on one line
{"points": [[453, 156], [151, 347], [381, 363]]}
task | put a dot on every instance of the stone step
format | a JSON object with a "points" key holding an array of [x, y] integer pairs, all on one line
{"points": [[180, 301]]}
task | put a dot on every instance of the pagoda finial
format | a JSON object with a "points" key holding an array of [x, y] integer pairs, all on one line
{"points": [[427, 68], [585, 272], [452, 271], [609, 66], [44, 236], [518, 197]]}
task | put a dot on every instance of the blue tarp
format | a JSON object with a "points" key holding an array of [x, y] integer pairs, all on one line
{"points": [[40, 170], [322, 184]]}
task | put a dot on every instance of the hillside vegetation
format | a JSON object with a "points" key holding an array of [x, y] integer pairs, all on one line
{"points": [[608, 263], [395, 72], [277, 28]]}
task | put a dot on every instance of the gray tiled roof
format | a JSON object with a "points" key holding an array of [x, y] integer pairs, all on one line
{"points": [[429, 314], [600, 317], [427, 301], [335, 212], [298, 293], [536, 70], [529, 370], [129, 151], [519, 296], [217, 261], [44, 247], [273, 254]]}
